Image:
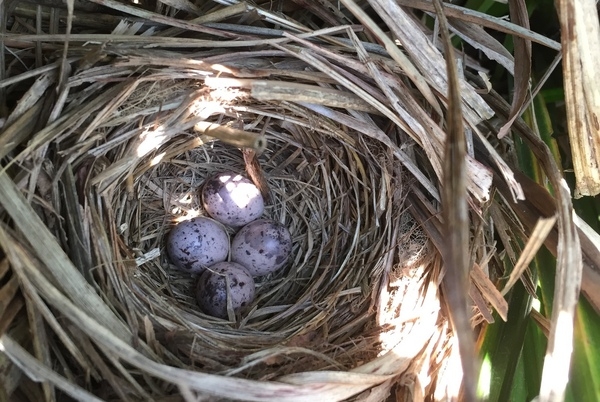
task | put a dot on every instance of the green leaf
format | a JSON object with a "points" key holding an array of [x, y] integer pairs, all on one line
{"points": [[534, 349], [501, 348], [585, 364]]}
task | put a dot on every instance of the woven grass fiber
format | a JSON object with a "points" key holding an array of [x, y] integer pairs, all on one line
{"points": [[111, 129]]}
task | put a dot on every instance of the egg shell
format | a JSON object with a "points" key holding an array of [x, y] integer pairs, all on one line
{"points": [[262, 246], [197, 243], [232, 199], [212, 289]]}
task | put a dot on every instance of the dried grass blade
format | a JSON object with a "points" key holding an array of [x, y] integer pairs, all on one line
{"points": [[481, 305], [8, 290], [9, 313], [323, 9], [79, 248], [32, 73], [317, 63], [31, 97], [21, 129], [294, 92], [580, 35], [159, 41], [276, 19], [497, 23], [150, 16], [456, 218], [54, 258], [184, 5], [557, 361], [35, 300], [255, 172], [407, 66], [11, 377], [41, 346], [538, 202], [67, 121], [65, 68], [479, 176], [86, 345], [590, 243], [39, 372], [348, 377], [477, 37], [215, 16], [536, 240], [518, 14], [11, 301], [543, 322], [428, 59], [3, 75], [231, 136], [489, 291], [516, 191]]}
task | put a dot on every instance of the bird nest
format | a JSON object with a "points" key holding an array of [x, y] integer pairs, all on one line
{"points": [[116, 129]]}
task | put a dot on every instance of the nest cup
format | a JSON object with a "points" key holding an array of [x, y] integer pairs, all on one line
{"points": [[354, 315], [332, 316], [340, 195]]}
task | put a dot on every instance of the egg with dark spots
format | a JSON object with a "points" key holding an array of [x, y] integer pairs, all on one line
{"points": [[262, 246], [197, 243], [232, 199], [221, 281]]}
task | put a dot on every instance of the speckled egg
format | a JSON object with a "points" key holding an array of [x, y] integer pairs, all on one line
{"points": [[232, 199], [197, 243], [222, 280], [262, 246]]}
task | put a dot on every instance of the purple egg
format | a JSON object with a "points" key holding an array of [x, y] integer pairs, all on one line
{"points": [[262, 246], [212, 290], [197, 243], [232, 199]]}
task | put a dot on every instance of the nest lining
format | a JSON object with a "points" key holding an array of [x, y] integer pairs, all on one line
{"points": [[337, 211]]}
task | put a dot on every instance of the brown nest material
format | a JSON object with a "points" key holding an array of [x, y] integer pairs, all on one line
{"points": [[113, 127]]}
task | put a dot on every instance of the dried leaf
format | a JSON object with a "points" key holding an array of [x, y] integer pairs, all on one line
{"points": [[40, 372], [455, 250], [489, 291], [404, 62], [477, 37], [231, 136], [324, 10], [518, 14], [536, 240], [496, 23], [54, 258], [256, 173], [141, 13], [184, 5], [590, 244], [580, 34], [428, 59]]}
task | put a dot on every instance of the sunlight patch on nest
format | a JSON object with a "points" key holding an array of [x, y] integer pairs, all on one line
{"points": [[216, 101], [406, 305], [410, 314], [151, 140], [450, 375]]}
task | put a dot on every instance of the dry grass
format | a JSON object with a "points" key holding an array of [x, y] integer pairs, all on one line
{"points": [[347, 126]]}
